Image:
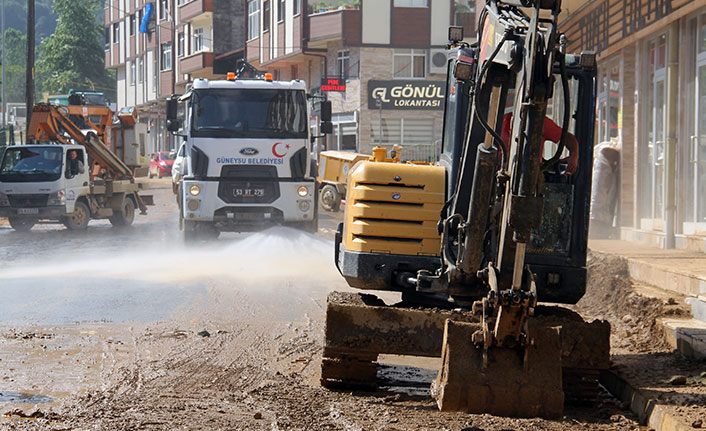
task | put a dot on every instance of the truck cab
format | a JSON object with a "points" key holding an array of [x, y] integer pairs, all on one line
{"points": [[248, 159], [42, 182]]}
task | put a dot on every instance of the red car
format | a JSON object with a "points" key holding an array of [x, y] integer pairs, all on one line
{"points": [[161, 164]]}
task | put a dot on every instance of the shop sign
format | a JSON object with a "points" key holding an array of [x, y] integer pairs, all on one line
{"points": [[333, 84], [406, 95]]}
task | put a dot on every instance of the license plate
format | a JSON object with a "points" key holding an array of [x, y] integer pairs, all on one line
{"points": [[28, 211], [248, 216], [248, 193]]}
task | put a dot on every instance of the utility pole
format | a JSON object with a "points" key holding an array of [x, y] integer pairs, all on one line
{"points": [[4, 100], [29, 76]]}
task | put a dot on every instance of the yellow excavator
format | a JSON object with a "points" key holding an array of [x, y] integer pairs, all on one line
{"points": [[477, 241]]}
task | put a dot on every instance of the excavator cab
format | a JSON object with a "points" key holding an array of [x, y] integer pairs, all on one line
{"points": [[383, 238]]}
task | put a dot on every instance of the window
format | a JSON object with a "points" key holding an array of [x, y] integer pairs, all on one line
{"points": [[141, 69], [280, 10], [133, 72], [409, 63], [106, 43], [116, 32], [410, 3], [140, 15], [253, 19], [343, 63], [133, 24], [163, 9], [246, 113], [266, 15], [166, 56], [180, 45], [198, 40], [297, 7]]}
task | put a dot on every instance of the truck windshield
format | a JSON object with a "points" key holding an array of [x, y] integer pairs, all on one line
{"points": [[249, 113], [31, 164]]}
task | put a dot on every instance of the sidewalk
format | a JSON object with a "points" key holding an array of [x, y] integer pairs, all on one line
{"points": [[678, 272]]}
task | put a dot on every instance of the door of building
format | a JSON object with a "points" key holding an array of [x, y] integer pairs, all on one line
{"points": [[697, 144], [652, 166]]}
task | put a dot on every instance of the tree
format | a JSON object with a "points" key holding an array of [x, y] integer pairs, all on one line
{"points": [[15, 59], [73, 57]]}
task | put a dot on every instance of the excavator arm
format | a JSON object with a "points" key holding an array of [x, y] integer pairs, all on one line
{"points": [[53, 123]]}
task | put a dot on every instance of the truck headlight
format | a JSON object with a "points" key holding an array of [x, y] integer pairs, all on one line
{"points": [[194, 190], [303, 191], [58, 198], [4, 201]]}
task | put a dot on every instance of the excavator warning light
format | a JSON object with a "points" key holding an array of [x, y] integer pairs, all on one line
{"points": [[268, 77], [588, 59], [231, 76], [455, 34]]}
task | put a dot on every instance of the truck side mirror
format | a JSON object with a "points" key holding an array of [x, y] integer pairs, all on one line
{"points": [[172, 107], [325, 111], [326, 127], [173, 125]]}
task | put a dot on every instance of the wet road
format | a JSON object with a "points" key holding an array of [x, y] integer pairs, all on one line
{"points": [[72, 301]]}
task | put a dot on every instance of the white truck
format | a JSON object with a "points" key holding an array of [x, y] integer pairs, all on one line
{"points": [[247, 157], [65, 175]]}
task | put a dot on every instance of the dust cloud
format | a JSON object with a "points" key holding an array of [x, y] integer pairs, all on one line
{"points": [[275, 254]]}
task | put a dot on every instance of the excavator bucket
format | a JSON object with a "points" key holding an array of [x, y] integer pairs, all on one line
{"points": [[524, 382]]}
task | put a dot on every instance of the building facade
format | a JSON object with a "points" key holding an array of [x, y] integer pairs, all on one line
{"points": [[392, 50], [156, 47], [386, 58], [652, 106]]}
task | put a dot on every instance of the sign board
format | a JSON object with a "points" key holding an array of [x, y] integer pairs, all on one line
{"points": [[333, 84], [421, 94]]}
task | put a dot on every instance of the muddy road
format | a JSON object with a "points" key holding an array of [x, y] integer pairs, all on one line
{"points": [[128, 329]]}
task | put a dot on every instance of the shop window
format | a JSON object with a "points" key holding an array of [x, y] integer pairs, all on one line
{"points": [[253, 19], [409, 63]]}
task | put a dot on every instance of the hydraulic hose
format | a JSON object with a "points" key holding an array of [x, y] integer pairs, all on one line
{"points": [[496, 137]]}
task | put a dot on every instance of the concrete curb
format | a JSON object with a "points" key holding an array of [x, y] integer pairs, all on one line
{"points": [[649, 411]]}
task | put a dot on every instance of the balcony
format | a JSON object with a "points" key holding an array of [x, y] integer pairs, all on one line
{"points": [[195, 63], [337, 24], [195, 9]]}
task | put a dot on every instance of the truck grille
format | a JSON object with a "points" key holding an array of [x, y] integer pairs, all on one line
{"points": [[248, 184], [28, 201]]}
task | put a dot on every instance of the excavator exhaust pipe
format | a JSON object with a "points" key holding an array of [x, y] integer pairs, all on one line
{"points": [[524, 382]]}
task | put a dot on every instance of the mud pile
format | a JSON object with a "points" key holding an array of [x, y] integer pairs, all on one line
{"points": [[612, 295]]}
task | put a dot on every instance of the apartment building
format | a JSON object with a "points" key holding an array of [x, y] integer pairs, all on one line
{"points": [[381, 63], [386, 58], [156, 47], [652, 106]]}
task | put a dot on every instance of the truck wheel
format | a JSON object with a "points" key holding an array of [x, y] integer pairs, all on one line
{"points": [[79, 219], [22, 224], [330, 198], [124, 217]]}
